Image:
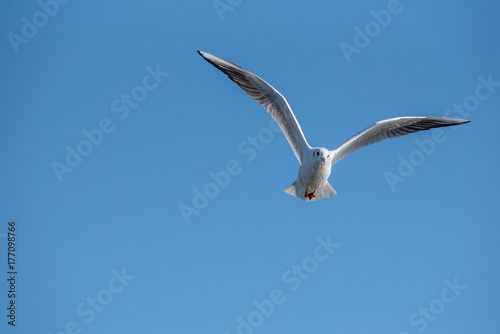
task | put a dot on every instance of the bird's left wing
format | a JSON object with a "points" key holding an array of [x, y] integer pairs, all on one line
{"points": [[269, 98], [390, 128]]}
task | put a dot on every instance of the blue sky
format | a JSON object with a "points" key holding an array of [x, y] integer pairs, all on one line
{"points": [[112, 124]]}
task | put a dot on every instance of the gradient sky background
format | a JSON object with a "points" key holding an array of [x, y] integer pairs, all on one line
{"points": [[118, 210]]}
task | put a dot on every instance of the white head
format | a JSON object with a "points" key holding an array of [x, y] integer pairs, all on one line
{"points": [[320, 154]]}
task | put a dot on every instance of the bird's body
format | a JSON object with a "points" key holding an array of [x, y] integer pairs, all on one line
{"points": [[316, 162], [313, 176]]}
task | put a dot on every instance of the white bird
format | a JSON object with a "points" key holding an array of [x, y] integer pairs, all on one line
{"points": [[316, 162]]}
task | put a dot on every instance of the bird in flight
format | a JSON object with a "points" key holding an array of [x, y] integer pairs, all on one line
{"points": [[316, 162]]}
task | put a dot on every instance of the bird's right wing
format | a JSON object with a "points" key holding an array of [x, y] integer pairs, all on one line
{"points": [[390, 128], [269, 98]]}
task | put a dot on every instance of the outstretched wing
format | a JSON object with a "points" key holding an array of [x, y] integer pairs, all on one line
{"points": [[390, 128], [269, 98]]}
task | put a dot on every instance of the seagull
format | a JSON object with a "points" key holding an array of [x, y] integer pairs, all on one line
{"points": [[316, 162]]}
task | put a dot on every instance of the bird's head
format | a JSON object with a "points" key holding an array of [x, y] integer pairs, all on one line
{"points": [[321, 154]]}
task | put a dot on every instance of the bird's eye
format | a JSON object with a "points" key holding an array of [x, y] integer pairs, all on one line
{"points": [[317, 153]]}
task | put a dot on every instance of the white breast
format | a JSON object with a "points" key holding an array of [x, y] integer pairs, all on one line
{"points": [[314, 174]]}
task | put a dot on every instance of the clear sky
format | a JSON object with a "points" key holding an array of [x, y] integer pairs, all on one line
{"points": [[147, 188]]}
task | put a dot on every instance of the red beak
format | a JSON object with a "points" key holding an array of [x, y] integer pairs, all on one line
{"points": [[323, 159]]}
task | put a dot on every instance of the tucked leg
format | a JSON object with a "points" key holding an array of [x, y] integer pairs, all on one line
{"points": [[310, 195]]}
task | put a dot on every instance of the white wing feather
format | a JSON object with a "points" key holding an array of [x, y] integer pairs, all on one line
{"points": [[269, 98], [391, 128]]}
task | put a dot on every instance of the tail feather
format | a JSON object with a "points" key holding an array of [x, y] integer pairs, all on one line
{"points": [[299, 191]]}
